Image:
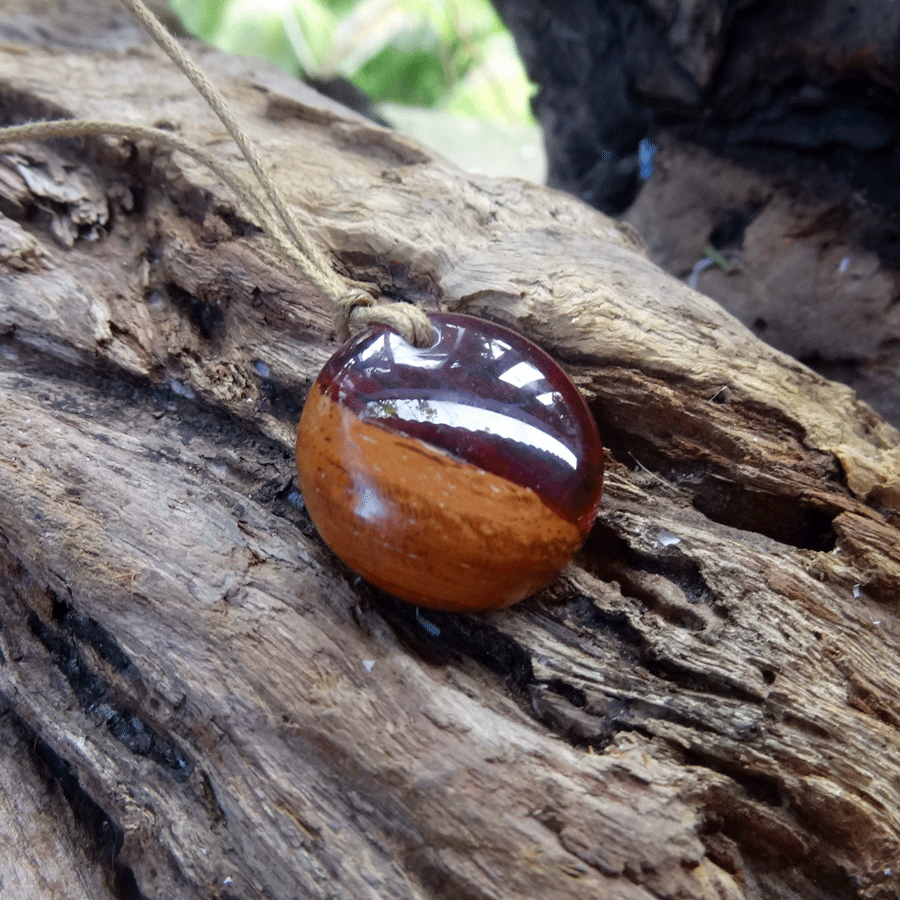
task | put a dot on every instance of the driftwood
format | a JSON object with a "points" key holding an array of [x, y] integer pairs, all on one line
{"points": [[199, 701], [777, 138]]}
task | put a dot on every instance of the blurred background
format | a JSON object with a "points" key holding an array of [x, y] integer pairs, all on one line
{"points": [[447, 73]]}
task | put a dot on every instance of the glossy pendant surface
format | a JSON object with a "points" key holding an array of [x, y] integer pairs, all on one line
{"points": [[460, 476]]}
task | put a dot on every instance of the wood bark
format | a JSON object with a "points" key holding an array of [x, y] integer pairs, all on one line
{"points": [[762, 137], [199, 701]]}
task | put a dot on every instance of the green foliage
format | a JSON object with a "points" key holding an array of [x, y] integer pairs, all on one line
{"points": [[454, 55], [414, 78]]}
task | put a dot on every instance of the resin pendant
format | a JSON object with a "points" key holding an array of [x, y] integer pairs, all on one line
{"points": [[460, 476]]}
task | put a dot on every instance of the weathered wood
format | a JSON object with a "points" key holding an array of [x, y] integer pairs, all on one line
{"points": [[780, 86], [707, 705], [775, 136]]}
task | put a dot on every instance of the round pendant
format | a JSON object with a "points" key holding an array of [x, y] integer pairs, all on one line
{"points": [[460, 476]]}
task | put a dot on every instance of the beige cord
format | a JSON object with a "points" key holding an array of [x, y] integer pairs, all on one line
{"points": [[409, 320], [354, 307]]}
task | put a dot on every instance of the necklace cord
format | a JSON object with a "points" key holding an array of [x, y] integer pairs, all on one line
{"points": [[354, 308]]}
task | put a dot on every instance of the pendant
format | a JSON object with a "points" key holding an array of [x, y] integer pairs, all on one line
{"points": [[461, 476]]}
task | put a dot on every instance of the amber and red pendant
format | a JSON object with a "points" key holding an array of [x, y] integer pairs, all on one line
{"points": [[460, 476]]}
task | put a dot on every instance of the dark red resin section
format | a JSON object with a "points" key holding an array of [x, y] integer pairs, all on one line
{"points": [[486, 395]]}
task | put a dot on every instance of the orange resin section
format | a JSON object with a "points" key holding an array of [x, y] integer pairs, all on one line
{"points": [[421, 524]]}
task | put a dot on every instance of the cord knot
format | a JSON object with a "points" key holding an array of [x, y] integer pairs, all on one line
{"points": [[356, 309]]}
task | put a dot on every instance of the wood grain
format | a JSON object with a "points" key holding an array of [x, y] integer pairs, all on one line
{"points": [[706, 705]]}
